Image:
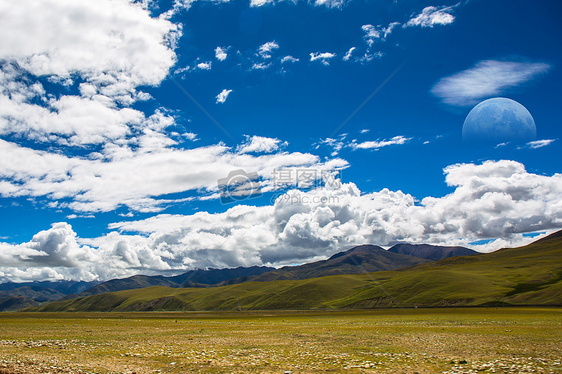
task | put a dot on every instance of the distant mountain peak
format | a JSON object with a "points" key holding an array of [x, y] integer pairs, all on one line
{"points": [[358, 249], [430, 252]]}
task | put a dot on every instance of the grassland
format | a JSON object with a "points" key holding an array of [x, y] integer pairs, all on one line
{"points": [[530, 275], [453, 340]]}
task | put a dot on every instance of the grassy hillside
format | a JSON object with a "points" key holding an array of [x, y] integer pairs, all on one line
{"points": [[526, 275]]}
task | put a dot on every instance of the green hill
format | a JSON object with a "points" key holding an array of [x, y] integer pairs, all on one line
{"points": [[520, 276]]}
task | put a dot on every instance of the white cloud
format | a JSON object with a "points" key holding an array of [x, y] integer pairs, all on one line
{"points": [[220, 53], [205, 65], [540, 143], [335, 144], [397, 140], [265, 49], [494, 200], [106, 48], [379, 32], [348, 54], [223, 95], [388, 30], [91, 38], [183, 6], [323, 57], [431, 16], [260, 66], [259, 3], [486, 79], [371, 34], [259, 144], [368, 57], [290, 59], [136, 178], [335, 4]]}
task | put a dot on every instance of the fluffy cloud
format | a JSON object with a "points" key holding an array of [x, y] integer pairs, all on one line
{"points": [[431, 16], [204, 65], [259, 144], [338, 4], [377, 144], [265, 49], [259, 3], [55, 254], [486, 79], [135, 179], [92, 38], [323, 57], [105, 48], [220, 53], [223, 95], [289, 59], [490, 200], [371, 34]]}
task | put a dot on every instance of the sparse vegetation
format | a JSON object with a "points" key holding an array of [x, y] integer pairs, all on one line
{"points": [[455, 340]]}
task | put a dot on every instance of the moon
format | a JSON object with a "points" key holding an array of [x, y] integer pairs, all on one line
{"points": [[499, 120]]}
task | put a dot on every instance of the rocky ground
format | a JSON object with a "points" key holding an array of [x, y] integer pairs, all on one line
{"points": [[393, 341]]}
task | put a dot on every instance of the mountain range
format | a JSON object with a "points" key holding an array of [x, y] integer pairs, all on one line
{"points": [[528, 275], [360, 259]]}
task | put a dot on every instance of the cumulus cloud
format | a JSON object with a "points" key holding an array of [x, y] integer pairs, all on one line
{"points": [[379, 32], [259, 144], [55, 254], [377, 144], [491, 200], [220, 53], [106, 48], [323, 57], [494, 200], [92, 38], [204, 65], [336, 4], [431, 16], [371, 34], [486, 79], [266, 49], [259, 3], [223, 95], [290, 59]]}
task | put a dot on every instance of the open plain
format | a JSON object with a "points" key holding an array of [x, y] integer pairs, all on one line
{"points": [[448, 340]]}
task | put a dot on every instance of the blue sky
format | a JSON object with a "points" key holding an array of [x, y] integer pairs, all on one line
{"points": [[117, 119]]}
